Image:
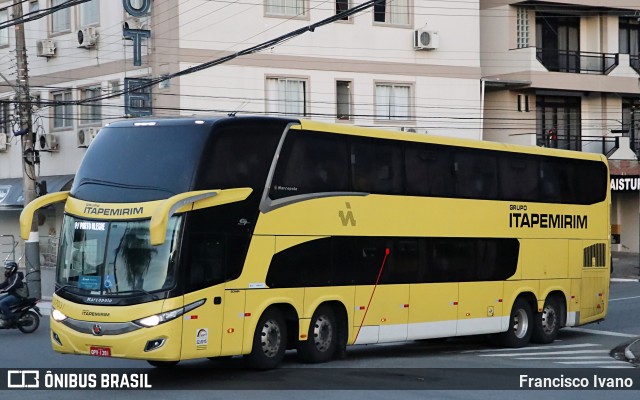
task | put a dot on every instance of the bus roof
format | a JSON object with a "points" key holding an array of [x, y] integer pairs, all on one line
{"points": [[378, 132]]}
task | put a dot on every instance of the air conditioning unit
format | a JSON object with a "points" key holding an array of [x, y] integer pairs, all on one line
{"points": [[87, 37], [3, 142], [45, 48], [48, 142], [86, 135], [425, 40]]}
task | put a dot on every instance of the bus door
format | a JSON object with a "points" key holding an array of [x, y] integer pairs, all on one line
{"points": [[202, 327], [205, 272]]}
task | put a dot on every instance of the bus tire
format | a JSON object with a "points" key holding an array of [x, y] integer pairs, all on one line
{"points": [[520, 325], [269, 341], [163, 364], [546, 324], [322, 338]]}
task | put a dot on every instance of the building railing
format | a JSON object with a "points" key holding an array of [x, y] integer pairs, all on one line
{"points": [[8, 246], [591, 144], [577, 61]]}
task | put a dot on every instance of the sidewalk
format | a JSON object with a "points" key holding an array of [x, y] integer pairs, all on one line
{"points": [[625, 266]]}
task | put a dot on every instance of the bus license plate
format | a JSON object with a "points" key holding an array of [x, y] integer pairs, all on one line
{"points": [[100, 351]]}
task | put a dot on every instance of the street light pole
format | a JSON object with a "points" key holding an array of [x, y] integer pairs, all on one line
{"points": [[29, 154]]}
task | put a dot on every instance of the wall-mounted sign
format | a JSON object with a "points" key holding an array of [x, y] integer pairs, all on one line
{"points": [[136, 8], [627, 183], [137, 97]]}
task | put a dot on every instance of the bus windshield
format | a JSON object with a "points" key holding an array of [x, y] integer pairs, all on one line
{"points": [[116, 257]]}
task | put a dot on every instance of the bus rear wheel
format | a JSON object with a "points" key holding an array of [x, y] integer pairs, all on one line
{"points": [[546, 324], [269, 341], [322, 338], [520, 325]]}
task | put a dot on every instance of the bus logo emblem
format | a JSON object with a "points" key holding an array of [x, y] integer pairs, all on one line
{"points": [[97, 330], [347, 218]]}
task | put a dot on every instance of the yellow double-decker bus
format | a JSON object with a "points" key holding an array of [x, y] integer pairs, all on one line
{"points": [[200, 238]]}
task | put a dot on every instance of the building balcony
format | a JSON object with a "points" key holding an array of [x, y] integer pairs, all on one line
{"points": [[606, 145], [577, 62]]}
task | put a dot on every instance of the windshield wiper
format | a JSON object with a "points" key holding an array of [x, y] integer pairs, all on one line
{"points": [[102, 182], [153, 296], [63, 287]]}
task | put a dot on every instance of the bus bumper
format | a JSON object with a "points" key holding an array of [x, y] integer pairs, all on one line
{"points": [[159, 343]]}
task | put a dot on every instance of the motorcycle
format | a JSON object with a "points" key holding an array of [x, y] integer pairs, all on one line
{"points": [[27, 316]]}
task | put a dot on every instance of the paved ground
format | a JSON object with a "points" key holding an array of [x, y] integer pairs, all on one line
{"points": [[625, 265]]}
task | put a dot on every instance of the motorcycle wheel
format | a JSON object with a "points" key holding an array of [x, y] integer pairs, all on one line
{"points": [[29, 322]]}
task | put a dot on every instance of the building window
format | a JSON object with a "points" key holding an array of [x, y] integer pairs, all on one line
{"points": [[559, 122], [285, 7], [631, 121], [393, 101], [62, 113], [34, 6], [394, 12], [114, 88], [4, 33], [522, 28], [90, 13], [90, 112], [343, 100], [61, 18], [341, 6], [287, 96], [629, 36]]}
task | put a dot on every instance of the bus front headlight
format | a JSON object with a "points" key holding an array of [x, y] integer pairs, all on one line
{"points": [[58, 316], [154, 320]]}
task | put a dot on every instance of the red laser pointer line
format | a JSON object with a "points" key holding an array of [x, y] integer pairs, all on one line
{"points": [[386, 254]]}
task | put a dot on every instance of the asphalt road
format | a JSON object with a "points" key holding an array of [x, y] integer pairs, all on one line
{"points": [[393, 370]]}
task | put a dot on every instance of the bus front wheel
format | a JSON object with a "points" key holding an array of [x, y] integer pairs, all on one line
{"points": [[546, 324], [269, 341], [322, 338], [520, 324]]}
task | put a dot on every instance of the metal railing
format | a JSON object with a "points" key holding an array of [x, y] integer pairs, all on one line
{"points": [[8, 246], [591, 144], [48, 251], [577, 61]]}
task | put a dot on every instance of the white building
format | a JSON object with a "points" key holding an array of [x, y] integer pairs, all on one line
{"points": [[367, 69]]}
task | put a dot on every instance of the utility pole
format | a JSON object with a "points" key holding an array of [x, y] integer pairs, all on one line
{"points": [[29, 154]]}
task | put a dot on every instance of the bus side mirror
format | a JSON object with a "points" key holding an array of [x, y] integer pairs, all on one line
{"points": [[26, 217]]}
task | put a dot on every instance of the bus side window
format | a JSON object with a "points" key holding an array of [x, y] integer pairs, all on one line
{"points": [[519, 179], [403, 261], [476, 175], [214, 259], [429, 170], [551, 190], [311, 163], [376, 167]]}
